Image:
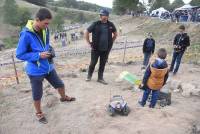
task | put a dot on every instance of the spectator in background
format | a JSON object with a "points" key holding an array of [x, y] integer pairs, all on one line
{"points": [[181, 42], [148, 49]]}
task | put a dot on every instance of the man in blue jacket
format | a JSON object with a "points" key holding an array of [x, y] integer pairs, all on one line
{"points": [[34, 48]]}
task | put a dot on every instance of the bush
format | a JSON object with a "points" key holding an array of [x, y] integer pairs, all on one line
{"points": [[10, 42]]}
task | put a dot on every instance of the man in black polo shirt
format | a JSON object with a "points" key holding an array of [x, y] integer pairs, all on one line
{"points": [[103, 35]]}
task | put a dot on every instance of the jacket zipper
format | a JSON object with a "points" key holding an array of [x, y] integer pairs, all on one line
{"points": [[41, 43]]}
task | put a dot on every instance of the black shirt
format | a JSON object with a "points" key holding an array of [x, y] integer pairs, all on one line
{"points": [[40, 35], [103, 43]]}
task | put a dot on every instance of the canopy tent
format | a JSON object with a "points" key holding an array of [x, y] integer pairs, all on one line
{"points": [[159, 11], [185, 7]]}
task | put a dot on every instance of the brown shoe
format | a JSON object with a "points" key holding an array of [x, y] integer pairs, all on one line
{"points": [[41, 118]]}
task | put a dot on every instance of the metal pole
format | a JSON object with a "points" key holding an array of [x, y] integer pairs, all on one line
{"points": [[16, 75], [125, 45]]}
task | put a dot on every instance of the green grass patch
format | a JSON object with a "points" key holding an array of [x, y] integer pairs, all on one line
{"points": [[193, 54], [10, 42]]}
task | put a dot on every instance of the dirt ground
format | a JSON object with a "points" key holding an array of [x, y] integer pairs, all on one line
{"points": [[88, 114]]}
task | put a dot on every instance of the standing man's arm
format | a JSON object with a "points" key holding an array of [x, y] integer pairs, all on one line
{"points": [[114, 36], [114, 31], [154, 44], [87, 37], [187, 41], [144, 45], [175, 40], [87, 34]]}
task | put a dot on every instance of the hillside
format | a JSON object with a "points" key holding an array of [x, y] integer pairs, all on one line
{"points": [[88, 115], [9, 34]]}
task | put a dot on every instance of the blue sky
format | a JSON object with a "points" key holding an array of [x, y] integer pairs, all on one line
{"points": [[108, 3]]}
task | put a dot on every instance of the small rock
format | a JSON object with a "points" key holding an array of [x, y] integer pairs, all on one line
{"points": [[196, 92], [176, 90], [25, 90], [186, 93], [174, 84], [69, 75], [83, 70], [51, 101], [194, 70], [187, 89], [128, 88]]}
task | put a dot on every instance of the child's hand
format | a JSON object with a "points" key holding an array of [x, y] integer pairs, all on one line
{"points": [[141, 86]]}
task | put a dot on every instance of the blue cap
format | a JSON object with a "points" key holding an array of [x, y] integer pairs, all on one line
{"points": [[104, 12]]}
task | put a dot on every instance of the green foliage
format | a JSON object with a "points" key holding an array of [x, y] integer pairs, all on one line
{"points": [[81, 18], [176, 4], [14, 15], [75, 15], [38, 2], [58, 20], [195, 2], [23, 16], [10, 9], [122, 6], [141, 8], [81, 5], [160, 3], [10, 42]]}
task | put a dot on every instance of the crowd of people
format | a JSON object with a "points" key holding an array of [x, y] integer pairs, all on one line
{"points": [[191, 15], [183, 15], [63, 37]]}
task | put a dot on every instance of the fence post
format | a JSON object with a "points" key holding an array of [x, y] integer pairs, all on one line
{"points": [[16, 75], [125, 45]]}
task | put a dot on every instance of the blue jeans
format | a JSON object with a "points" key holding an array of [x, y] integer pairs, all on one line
{"points": [[154, 97], [177, 56], [146, 58]]}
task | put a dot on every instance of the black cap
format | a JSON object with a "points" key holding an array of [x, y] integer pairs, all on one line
{"points": [[104, 12]]}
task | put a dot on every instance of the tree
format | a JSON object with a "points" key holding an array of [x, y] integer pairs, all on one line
{"points": [[68, 3], [140, 8], [160, 3], [176, 4], [121, 6], [38, 2], [118, 8], [10, 9], [23, 16], [14, 15], [80, 18], [195, 2], [58, 20]]}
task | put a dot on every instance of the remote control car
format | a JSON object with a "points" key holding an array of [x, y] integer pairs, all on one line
{"points": [[118, 106]]}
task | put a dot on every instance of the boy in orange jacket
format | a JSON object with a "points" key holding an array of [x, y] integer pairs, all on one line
{"points": [[155, 77]]}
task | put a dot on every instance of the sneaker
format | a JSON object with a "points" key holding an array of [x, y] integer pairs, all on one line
{"points": [[140, 103], [174, 74], [88, 79], [143, 68], [102, 81], [150, 106]]}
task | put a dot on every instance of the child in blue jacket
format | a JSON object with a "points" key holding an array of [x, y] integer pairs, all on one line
{"points": [[155, 77]]}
